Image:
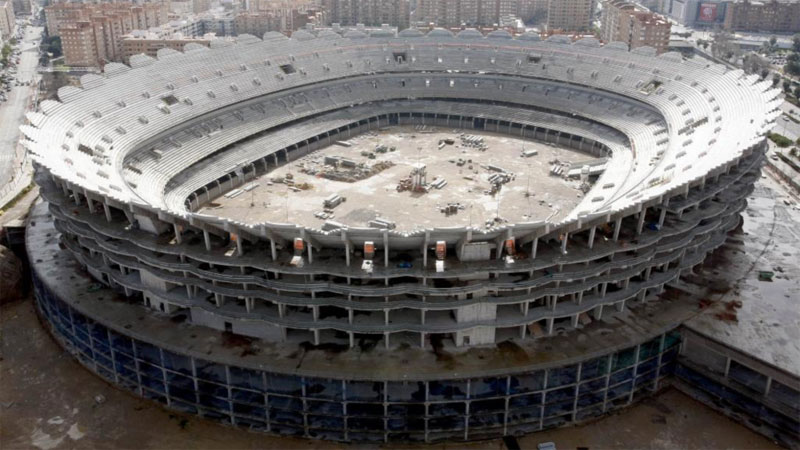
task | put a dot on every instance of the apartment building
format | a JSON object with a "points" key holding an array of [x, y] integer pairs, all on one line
{"points": [[771, 16], [91, 35], [570, 15], [138, 16], [627, 22], [6, 19], [455, 13], [369, 12]]}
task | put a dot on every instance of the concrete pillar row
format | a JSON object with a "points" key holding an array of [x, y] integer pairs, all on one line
{"points": [[617, 227]]}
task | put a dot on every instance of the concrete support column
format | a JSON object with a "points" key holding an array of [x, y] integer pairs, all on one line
{"points": [[617, 226], [315, 313], [249, 304], [386, 248], [219, 300], [662, 215], [207, 239], [640, 225], [107, 210], [574, 321], [281, 310], [350, 316], [534, 246], [592, 232], [620, 306], [239, 248], [564, 243], [550, 322], [386, 317], [316, 337], [178, 236], [352, 339], [603, 290], [273, 249], [310, 253], [386, 339], [422, 315], [597, 312], [580, 297]]}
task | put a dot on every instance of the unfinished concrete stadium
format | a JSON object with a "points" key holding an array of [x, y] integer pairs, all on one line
{"points": [[391, 238]]}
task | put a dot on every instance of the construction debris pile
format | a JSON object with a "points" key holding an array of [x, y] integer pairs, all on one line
{"points": [[472, 141], [289, 181], [451, 208], [338, 168]]}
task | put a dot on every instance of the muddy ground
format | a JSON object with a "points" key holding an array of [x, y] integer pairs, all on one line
{"points": [[49, 401]]}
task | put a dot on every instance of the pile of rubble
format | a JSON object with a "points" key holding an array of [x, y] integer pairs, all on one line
{"points": [[338, 168]]}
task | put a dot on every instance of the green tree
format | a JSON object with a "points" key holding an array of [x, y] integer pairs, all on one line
{"points": [[796, 43]]}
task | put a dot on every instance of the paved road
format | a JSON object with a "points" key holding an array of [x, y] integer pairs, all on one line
{"points": [[12, 112]]}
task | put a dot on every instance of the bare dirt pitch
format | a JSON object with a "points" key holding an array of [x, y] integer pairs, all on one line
{"points": [[465, 163]]}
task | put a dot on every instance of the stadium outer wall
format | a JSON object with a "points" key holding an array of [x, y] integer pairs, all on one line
{"points": [[368, 408]]}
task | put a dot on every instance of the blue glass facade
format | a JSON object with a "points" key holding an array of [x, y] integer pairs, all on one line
{"points": [[362, 410]]}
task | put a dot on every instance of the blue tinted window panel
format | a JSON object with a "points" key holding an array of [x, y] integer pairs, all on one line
{"points": [[177, 363], [364, 423], [249, 410], [214, 402], [323, 388], [558, 395], [121, 343], [210, 371], [447, 423], [620, 376], [622, 359], [217, 390], [590, 399], [562, 376], [244, 396], [365, 390], [326, 408], [365, 409], [147, 352], [486, 420], [594, 368], [325, 422], [447, 409], [524, 414], [406, 391], [284, 384], [409, 410], [524, 401], [246, 378], [487, 387], [287, 403], [187, 395], [447, 390]]}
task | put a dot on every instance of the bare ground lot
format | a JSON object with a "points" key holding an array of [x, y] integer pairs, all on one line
{"points": [[47, 401], [377, 196]]}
